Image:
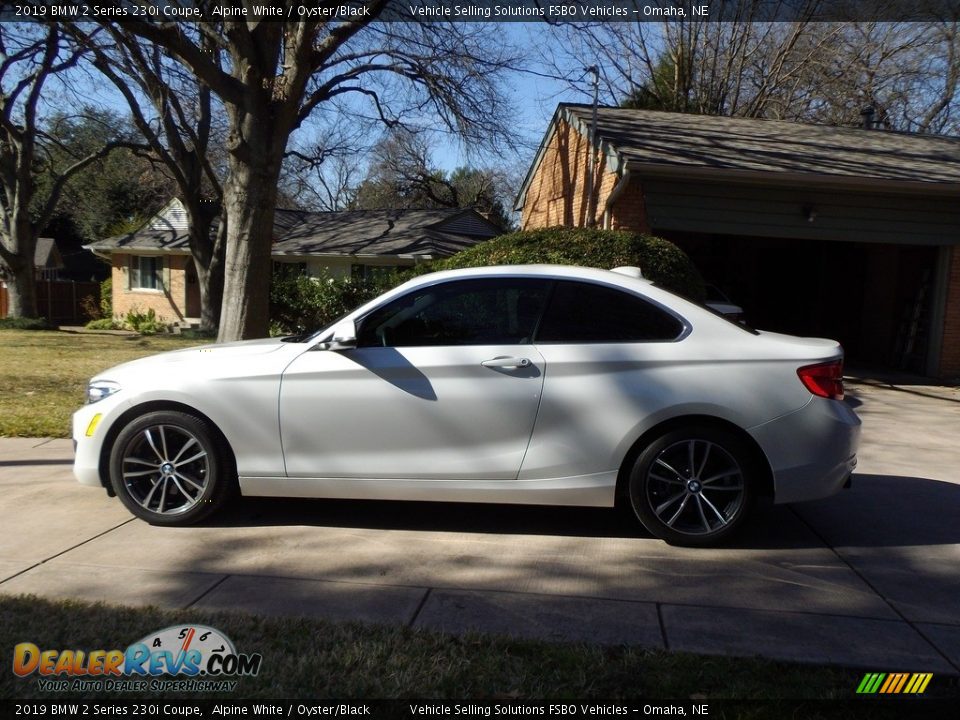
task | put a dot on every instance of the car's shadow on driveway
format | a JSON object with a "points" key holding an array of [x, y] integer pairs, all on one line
{"points": [[878, 511], [431, 517], [888, 511]]}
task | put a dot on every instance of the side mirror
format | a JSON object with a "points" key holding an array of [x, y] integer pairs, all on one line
{"points": [[344, 337]]}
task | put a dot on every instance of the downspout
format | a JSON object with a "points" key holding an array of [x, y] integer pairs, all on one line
{"points": [[592, 159], [612, 197]]}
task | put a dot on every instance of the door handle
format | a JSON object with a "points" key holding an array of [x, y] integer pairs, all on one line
{"points": [[506, 362]]}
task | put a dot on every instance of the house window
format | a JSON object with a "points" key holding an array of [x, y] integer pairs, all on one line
{"points": [[146, 273], [370, 272], [290, 269]]}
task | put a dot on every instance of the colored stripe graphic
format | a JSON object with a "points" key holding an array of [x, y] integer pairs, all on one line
{"points": [[871, 683], [894, 683], [923, 684]]}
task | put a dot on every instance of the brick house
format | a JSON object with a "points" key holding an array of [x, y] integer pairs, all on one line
{"points": [[849, 233], [152, 267]]}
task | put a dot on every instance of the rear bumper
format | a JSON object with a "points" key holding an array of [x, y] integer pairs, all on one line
{"points": [[811, 451]]}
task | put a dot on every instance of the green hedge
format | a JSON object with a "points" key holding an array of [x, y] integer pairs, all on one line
{"points": [[659, 259], [303, 304], [25, 323]]}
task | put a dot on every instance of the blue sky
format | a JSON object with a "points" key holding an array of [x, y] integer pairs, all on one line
{"points": [[534, 94]]}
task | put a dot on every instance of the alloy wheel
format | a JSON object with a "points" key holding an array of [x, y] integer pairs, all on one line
{"points": [[165, 469], [695, 487]]}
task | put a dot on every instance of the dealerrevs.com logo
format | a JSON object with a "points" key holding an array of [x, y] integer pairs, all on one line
{"points": [[198, 658]]}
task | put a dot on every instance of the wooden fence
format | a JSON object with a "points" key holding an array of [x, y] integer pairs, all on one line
{"points": [[59, 301]]}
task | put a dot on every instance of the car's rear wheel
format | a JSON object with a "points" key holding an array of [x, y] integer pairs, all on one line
{"points": [[693, 486], [169, 468]]}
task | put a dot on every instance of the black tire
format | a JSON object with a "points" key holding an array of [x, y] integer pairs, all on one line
{"points": [[170, 468], [699, 502]]}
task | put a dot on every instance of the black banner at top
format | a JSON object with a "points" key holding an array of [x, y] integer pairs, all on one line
{"points": [[552, 11]]}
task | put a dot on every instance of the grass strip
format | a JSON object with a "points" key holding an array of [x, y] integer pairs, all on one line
{"points": [[44, 374], [314, 659]]}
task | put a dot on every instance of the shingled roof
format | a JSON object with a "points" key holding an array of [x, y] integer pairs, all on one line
{"points": [[47, 255], [300, 233], [679, 143], [438, 232]]}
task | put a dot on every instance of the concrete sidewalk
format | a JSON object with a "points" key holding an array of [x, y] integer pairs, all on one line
{"points": [[870, 578]]}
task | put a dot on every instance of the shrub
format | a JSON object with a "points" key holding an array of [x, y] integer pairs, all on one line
{"points": [[145, 323], [106, 298], [25, 323], [198, 334], [659, 259], [102, 324], [299, 303], [90, 308], [103, 310]]}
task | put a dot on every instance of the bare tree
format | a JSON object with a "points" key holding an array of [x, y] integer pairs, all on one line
{"points": [[175, 112], [322, 173], [741, 67], [823, 72], [908, 72], [403, 175], [275, 74], [30, 55]]}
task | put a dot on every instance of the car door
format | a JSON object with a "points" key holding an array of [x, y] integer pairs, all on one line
{"points": [[444, 383], [614, 360]]}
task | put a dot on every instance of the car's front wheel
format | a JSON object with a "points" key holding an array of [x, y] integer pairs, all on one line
{"points": [[693, 486], [169, 468]]}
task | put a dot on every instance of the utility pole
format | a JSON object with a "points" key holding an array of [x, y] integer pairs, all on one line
{"points": [[592, 162]]}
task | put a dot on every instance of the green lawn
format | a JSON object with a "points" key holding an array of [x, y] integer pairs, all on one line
{"points": [[315, 659], [43, 374]]}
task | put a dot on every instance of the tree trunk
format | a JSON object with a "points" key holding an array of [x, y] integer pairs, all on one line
{"points": [[210, 282], [249, 205], [208, 257], [256, 142], [18, 253], [22, 288]]}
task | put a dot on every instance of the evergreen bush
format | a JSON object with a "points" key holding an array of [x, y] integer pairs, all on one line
{"points": [[659, 259]]}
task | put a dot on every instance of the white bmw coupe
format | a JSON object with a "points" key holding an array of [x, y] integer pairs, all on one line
{"points": [[515, 384]]}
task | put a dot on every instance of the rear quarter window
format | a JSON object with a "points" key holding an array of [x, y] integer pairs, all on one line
{"points": [[586, 313]]}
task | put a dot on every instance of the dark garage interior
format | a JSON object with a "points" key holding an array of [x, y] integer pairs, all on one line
{"points": [[875, 298]]}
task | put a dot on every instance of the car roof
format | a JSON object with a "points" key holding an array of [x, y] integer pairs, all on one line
{"points": [[642, 286], [575, 272]]}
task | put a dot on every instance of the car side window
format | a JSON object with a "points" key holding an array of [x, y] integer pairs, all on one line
{"points": [[490, 311], [586, 313]]}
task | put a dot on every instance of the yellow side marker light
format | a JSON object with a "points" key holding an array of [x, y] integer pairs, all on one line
{"points": [[94, 421]]}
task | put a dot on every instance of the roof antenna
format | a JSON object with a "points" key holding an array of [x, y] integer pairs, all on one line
{"points": [[591, 194]]}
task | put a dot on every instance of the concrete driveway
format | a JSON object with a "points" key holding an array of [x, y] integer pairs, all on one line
{"points": [[869, 578]]}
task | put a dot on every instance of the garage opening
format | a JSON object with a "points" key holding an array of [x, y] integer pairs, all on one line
{"points": [[875, 298]]}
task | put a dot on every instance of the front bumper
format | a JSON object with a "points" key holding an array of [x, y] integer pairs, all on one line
{"points": [[811, 451], [87, 448]]}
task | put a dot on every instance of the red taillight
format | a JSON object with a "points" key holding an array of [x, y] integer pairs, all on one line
{"points": [[824, 379]]}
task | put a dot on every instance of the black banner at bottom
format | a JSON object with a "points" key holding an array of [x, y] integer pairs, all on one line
{"points": [[322, 709]]}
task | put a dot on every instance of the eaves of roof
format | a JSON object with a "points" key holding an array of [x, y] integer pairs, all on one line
{"points": [[618, 159], [793, 179]]}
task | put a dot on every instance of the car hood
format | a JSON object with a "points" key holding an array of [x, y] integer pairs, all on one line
{"points": [[215, 352]]}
